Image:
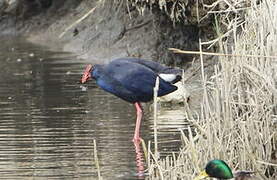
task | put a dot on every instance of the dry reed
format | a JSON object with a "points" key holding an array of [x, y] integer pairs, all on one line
{"points": [[156, 89], [236, 123]]}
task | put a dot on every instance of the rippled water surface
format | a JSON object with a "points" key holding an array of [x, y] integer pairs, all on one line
{"points": [[48, 120]]}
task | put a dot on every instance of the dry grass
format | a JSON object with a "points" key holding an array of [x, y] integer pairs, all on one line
{"points": [[237, 122], [194, 12]]}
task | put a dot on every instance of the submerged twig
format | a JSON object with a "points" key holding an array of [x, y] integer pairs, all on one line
{"points": [[96, 160]]}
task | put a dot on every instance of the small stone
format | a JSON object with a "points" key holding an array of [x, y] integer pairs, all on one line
{"points": [[31, 54], [83, 88], [19, 60]]}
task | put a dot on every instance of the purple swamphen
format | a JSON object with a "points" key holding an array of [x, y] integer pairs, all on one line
{"points": [[133, 80]]}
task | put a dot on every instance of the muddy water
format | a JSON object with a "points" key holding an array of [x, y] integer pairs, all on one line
{"points": [[48, 120]]}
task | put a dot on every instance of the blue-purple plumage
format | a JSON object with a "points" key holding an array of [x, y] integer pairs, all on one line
{"points": [[133, 79]]}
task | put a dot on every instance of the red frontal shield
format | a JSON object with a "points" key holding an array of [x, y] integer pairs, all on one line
{"points": [[86, 74]]}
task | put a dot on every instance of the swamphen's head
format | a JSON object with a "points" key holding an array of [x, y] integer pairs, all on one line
{"points": [[87, 73]]}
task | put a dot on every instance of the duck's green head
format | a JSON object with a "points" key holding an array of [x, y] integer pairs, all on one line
{"points": [[216, 169]]}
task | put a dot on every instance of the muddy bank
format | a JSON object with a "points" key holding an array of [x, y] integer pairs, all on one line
{"points": [[98, 31], [113, 29]]}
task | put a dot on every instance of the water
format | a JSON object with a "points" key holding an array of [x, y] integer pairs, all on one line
{"points": [[48, 120]]}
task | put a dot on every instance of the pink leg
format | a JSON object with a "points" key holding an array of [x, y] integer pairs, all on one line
{"points": [[139, 117]]}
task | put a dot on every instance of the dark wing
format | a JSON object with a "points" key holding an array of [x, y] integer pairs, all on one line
{"points": [[138, 79], [111, 85], [154, 66]]}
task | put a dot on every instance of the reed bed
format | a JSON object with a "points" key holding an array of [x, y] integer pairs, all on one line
{"points": [[237, 122]]}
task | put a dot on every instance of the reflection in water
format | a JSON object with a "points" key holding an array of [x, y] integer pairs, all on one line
{"points": [[139, 160], [48, 120]]}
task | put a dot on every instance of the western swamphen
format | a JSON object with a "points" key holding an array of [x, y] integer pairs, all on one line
{"points": [[133, 80]]}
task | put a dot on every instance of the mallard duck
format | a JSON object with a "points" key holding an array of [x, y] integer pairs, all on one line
{"points": [[219, 169]]}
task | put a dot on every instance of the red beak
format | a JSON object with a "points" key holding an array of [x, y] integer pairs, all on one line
{"points": [[86, 75]]}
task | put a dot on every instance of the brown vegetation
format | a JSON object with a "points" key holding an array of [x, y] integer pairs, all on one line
{"points": [[237, 122]]}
